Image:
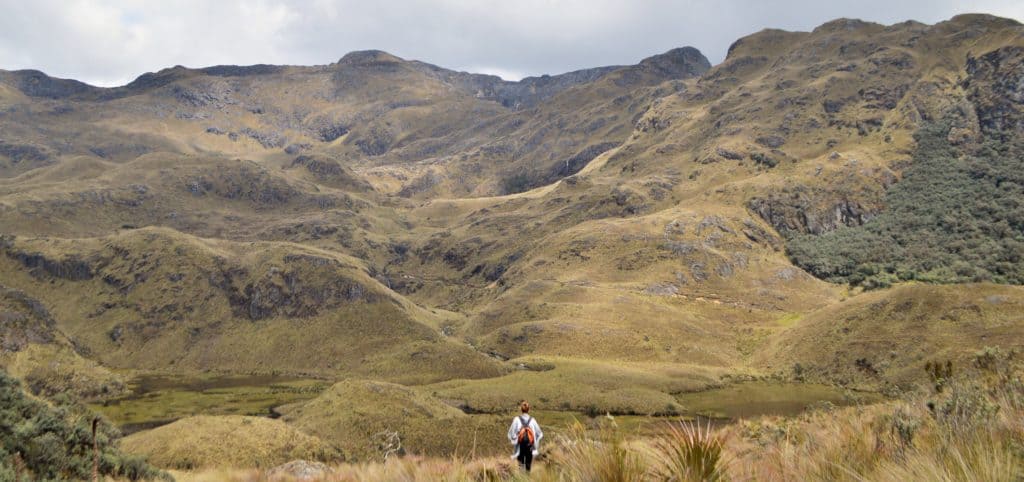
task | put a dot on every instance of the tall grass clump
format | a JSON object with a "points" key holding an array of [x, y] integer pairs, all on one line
{"points": [[604, 458], [687, 451], [970, 429]]}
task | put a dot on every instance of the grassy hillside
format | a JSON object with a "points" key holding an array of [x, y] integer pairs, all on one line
{"points": [[160, 300], [634, 239], [886, 338], [954, 217], [370, 420], [225, 441]]}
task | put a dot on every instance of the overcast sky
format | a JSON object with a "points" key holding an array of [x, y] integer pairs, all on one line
{"points": [[107, 42]]}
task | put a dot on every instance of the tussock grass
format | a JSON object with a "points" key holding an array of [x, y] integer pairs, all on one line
{"points": [[971, 430], [226, 441], [688, 451]]}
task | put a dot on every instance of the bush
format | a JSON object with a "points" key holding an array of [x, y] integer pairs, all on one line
{"points": [[954, 217], [516, 183], [55, 441]]}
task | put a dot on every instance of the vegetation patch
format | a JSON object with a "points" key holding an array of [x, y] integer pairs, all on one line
{"points": [[226, 441], [47, 441], [955, 217]]}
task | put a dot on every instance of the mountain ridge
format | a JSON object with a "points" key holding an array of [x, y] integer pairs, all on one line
{"points": [[391, 220]]}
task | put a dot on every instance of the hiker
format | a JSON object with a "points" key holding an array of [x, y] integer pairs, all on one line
{"points": [[525, 434]]}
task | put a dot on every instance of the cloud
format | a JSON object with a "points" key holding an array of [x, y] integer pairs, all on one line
{"points": [[110, 42]]}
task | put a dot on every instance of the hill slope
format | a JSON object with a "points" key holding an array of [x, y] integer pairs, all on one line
{"points": [[387, 219]]}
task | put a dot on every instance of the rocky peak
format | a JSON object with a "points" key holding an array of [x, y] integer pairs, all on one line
{"points": [[34, 83], [845, 25], [363, 57], [981, 20], [677, 63]]}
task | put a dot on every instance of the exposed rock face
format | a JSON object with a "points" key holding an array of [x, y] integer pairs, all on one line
{"points": [[269, 140], [23, 320], [301, 470], [677, 63], [292, 291], [70, 268], [19, 153], [243, 182], [34, 83], [808, 211], [995, 85]]}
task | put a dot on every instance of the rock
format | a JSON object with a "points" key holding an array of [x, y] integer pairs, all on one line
{"points": [[731, 155], [18, 153], [759, 235], [268, 140], [578, 161], [832, 106], [771, 141], [697, 271], [301, 470], [375, 142], [995, 85], [959, 136], [882, 97], [662, 289], [679, 248], [70, 268], [331, 132], [807, 211], [714, 221], [295, 291], [675, 227], [296, 148], [786, 274], [34, 83]]}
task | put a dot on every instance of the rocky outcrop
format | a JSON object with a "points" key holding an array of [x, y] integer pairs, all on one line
{"points": [[305, 286], [19, 153], [330, 172], [243, 182], [40, 265], [809, 211], [995, 85], [34, 83], [269, 140], [301, 470], [679, 63], [23, 320]]}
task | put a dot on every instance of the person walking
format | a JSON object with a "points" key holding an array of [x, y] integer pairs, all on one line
{"points": [[525, 434]]}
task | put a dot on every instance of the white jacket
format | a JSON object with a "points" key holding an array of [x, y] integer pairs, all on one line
{"points": [[513, 433]]}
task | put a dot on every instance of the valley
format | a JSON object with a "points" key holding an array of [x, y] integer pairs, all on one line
{"points": [[318, 257]]}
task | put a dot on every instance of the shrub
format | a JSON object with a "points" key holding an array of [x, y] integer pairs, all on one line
{"points": [[55, 441], [516, 183], [954, 217]]}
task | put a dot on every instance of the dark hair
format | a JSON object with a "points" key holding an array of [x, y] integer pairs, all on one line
{"points": [[524, 406]]}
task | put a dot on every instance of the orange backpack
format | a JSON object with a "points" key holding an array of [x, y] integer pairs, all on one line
{"points": [[525, 436]]}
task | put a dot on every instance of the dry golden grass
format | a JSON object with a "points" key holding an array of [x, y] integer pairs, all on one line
{"points": [[970, 430], [884, 338], [204, 442]]}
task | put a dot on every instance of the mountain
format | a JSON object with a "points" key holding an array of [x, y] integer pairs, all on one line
{"points": [[648, 230]]}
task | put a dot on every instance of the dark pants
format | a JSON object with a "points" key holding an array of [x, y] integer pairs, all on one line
{"points": [[525, 457]]}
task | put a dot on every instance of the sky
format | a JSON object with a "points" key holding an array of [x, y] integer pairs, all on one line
{"points": [[108, 42]]}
